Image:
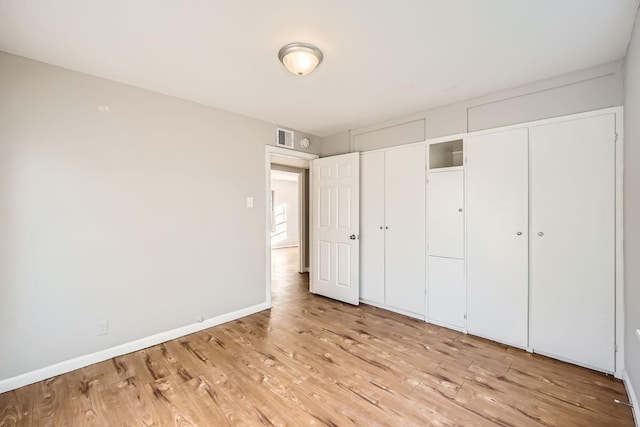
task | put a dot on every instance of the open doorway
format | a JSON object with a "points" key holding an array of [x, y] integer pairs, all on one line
{"points": [[287, 217]]}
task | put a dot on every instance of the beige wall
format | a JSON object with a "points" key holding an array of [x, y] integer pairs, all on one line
{"points": [[632, 208], [137, 215], [585, 90]]}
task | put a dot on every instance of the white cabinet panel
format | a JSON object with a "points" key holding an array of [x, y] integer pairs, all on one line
{"points": [[372, 227], [497, 233], [446, 216], [573, 240], [446, 298], [405, 248]]}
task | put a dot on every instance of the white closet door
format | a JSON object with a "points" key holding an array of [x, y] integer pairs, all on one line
{"points": [[446, 292], [573, 240], [446, 218], [405, 252], [497, 230], [372, 227]]}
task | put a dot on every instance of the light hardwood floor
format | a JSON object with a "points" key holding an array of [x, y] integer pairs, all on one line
{"points": [[313, 361]]}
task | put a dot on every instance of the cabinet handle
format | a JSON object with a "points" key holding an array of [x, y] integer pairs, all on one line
{"points": [[519, 233], [540, 233]]}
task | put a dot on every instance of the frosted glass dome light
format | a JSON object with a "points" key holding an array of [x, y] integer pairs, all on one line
{"points": [[300, 58]]}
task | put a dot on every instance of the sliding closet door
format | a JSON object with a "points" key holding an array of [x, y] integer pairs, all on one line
{"points": [[405, 249], [573, 240], [497, 233]]}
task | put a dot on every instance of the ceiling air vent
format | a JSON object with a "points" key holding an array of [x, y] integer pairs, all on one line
{"points": [[284, 138]]}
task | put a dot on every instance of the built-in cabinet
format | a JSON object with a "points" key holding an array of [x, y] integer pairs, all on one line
{"points": [[392, 229], [512, 237], [445, 231], [541, 238]]}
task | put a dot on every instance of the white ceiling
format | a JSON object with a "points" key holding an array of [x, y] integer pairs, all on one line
{"points": [[382, 59]]}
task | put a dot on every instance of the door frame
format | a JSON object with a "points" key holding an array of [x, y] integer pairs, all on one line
{"points": [[283, 152]]}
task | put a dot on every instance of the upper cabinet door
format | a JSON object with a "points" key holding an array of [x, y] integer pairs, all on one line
{"points": [[372, 227], [497, 231], [405, 249], [573, 240], [446, 217]]}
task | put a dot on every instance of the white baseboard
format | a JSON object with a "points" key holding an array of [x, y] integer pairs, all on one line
{"points": [[100, 356], [633, 399]]}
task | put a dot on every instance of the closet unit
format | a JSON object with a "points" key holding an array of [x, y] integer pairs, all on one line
{"points": [[541, 238], [392, 229], [445, 231]]}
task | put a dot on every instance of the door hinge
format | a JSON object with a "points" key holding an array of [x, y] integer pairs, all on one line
{"points": [[615, 347], [465, 315], [615, 137]]}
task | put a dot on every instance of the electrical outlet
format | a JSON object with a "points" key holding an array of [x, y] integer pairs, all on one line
{"points": [[103, 327]]}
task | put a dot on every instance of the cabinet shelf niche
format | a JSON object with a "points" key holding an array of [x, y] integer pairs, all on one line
{"points": [[445, 154]]}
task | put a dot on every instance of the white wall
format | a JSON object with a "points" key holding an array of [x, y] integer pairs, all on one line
{"points": [[632, 208], [120, 215], [286, 196], [585, 90]]}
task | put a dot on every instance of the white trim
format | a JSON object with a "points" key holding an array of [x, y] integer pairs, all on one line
{"points": [[619, 247], [284, 247], [285, 152], [102, 355], [633, 399], [302, 228]]}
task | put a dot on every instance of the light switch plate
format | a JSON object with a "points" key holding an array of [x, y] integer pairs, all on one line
{"points": [[249, 202]]}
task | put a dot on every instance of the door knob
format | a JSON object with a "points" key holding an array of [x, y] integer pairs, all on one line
{"points": [[352, 237], [519, 233], [540, 233], [380, 227], [460, 210]]}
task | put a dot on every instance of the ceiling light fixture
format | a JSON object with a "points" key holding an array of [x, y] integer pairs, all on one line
{"points": [[300, 58]]}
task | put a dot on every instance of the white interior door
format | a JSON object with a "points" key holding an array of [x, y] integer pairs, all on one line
{"points": [[573, 240], [335, 220], [446, 217], [497, 195], [372, 227], [405, 245]]}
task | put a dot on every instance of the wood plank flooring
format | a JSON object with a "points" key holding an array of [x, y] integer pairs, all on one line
{"points": [[311, 361]]}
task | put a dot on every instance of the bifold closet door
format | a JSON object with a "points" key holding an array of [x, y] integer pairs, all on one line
{"points": [[497, 230], [405, 246], [372, 227], [573, 241]]}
